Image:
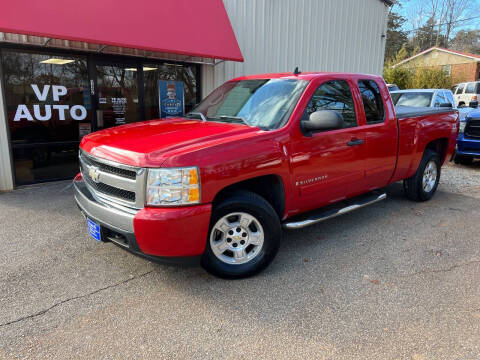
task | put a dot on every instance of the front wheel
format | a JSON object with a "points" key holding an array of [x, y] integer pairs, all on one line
{"points": [[244, 236], [422, 185]]}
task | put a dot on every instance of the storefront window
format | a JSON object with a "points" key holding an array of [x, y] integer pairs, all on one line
{"points": [[49, 110], [172, 75], [117, 95]]}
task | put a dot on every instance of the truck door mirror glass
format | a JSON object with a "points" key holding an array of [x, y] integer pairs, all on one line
{"points": [[323, 120]]}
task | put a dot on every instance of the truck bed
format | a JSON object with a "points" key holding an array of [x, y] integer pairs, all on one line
{"points": [[410, 111]]}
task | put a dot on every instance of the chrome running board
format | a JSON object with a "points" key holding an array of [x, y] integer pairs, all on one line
{"points": [[317, 216]]}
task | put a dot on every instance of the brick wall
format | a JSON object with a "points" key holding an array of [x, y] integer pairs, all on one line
{"points": [[465, 72]]}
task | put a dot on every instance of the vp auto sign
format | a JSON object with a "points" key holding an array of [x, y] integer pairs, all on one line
{"points": [[77, 112]]}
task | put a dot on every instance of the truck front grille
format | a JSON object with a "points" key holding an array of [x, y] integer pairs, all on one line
{"points": [[110, 190], [472, 129], [113, 182], [114, 170]]}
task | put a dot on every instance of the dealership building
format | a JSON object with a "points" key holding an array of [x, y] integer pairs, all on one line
{"points": [[71, 68]]}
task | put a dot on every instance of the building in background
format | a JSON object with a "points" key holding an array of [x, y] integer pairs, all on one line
{"points": [[68, 70], [461, 66]]}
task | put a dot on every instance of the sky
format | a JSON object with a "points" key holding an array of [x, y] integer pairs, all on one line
{"points": [[409, 9]]}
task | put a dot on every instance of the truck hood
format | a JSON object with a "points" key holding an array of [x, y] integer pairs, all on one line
{"points": [[149, 143]]}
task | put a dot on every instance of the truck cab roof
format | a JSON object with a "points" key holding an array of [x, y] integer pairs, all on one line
{"points": [[307, 76]]}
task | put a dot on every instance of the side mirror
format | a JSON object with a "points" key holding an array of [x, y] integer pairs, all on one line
{"points": [[445, 105], [323, 120], [473, 104]]}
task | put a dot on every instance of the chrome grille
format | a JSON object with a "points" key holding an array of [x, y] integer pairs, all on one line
{"points": [[472, 129], [113, 182]]}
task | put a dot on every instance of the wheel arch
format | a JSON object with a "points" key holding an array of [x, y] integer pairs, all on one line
{"points": [[440, 146], [270, 187]]}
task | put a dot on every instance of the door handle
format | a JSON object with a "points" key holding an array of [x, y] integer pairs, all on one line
{"points": [[355, 142]]}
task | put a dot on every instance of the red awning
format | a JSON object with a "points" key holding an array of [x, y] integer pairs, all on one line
{"points": [[187, 27]]}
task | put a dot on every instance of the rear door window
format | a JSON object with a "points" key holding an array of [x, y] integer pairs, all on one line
{"points": [[449, 97], [460, 89], [372, 101], [470, 89], [439, 99], [415, 99]]}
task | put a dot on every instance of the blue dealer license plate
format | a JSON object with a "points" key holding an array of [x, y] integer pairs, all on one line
{"points": [[94, 230]]}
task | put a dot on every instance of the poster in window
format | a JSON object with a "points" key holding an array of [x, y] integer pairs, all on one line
{"points": [[171, 99]]}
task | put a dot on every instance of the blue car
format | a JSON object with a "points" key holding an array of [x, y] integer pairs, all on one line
{"points": [[468, 142]]}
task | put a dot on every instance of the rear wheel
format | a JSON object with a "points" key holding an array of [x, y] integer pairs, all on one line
{"points": [[422, 186], [244, 236]]}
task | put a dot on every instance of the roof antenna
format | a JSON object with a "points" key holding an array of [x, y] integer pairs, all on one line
{"points": [[296, 71]]}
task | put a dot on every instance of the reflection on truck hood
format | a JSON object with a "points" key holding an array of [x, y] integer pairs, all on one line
{"points": [[148, 143]]}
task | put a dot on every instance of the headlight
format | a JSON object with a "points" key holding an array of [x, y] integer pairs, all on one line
{"points": [[462, 126], [171, 187]]}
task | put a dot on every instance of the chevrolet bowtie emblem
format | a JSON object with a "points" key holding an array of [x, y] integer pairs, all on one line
{"points": [[94, 174]]}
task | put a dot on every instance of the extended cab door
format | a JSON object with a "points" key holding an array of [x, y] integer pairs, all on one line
{"points": [[380, 130], [328, 166]]}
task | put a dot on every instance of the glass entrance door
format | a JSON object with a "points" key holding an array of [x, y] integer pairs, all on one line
{"points": [[117, 95]]}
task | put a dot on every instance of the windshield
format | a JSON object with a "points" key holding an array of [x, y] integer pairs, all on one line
{"points": [[266, 103], [415, 99]]}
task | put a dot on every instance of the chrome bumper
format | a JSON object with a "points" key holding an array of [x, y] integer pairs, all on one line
{"points": [[117, 218]]}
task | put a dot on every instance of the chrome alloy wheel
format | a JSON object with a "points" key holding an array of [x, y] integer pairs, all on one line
{"points": [[429, 176], [237, 238]]}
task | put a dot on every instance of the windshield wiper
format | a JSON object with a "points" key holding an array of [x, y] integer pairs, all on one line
{"points": [[235, 118], [197, 114]]}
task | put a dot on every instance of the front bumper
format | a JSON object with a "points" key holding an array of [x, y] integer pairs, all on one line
{"points": [[468, 146], [167, 235]]}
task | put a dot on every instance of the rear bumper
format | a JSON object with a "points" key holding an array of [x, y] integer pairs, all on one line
{"points": [[166, 235], [468, 146]]}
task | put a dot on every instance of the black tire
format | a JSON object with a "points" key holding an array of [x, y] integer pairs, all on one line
{"points": [[413, 186], [256, 206], [462, 160]]}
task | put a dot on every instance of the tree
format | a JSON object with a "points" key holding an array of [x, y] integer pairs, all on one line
{"points": [[428, 36], [467, 41], [454, 11], [396, 37]]}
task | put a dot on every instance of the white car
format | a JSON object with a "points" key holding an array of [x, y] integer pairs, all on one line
{"points": [[424, 98], [464, 93]]}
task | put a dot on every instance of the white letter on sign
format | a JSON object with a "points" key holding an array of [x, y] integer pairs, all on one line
{"points": [[57, 91], [61, 111], [38, 116], [22, 113], [41, 96], [73, 112]]}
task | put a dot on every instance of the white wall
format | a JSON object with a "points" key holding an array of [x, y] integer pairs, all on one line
{"points": [[6, 180], [315, 35]]}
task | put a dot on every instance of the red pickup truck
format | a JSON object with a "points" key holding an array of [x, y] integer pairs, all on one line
{"points": [[258, 154]]}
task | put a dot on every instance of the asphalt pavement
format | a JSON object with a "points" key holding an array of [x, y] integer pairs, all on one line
{"points": [[396, 280]]}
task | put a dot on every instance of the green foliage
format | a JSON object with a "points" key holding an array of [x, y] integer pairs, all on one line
{"points": [[400, 76], [420, 78], [396, 37], [430, 79]]}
